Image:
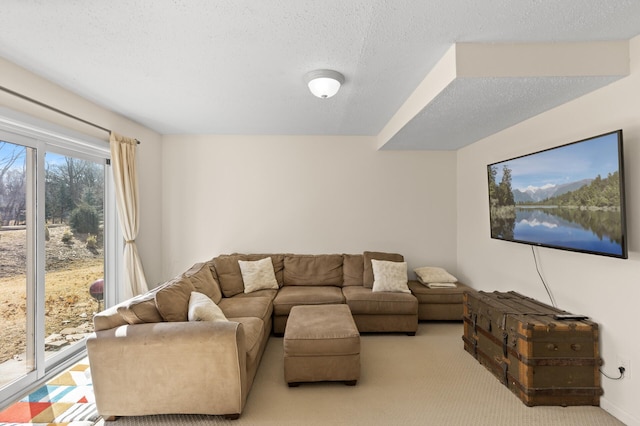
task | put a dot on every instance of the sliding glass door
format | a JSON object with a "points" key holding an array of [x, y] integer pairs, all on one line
{"points": [[74, 250], [56, 212], [17, 356]]}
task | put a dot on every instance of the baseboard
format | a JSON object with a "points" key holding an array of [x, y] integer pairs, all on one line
{"points": [[618, 413]]}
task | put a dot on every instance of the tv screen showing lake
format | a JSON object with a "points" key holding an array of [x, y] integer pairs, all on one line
{"points": [[587, 230], [568, 197]]}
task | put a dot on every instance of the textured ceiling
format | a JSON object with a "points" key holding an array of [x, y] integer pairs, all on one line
{"points": [[451, 121], [237, 67]]}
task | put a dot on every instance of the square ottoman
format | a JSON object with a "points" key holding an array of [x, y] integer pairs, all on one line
{"points": [[321, 343]]}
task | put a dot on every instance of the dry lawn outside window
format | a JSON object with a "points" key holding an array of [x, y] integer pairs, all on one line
{"points": [[71, 268]]}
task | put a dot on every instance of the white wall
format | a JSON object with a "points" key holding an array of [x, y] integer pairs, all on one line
{"points": [[606, 289], [304, 194], [22, 81]]}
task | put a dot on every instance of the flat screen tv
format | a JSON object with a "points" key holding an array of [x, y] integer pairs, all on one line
{"points": [[570, 197]]}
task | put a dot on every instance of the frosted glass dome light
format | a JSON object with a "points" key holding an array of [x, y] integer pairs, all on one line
{"points": [[324, 83]]}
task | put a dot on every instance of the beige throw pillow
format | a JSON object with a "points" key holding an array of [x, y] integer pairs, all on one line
{"points": [[434, 274], [258, 275], [389, 276], [202, 308]]}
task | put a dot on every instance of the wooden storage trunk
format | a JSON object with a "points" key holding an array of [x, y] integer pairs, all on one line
{"points": [[542, 360]]}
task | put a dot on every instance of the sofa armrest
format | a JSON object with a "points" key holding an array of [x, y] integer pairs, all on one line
{"points": [[169, 367]]}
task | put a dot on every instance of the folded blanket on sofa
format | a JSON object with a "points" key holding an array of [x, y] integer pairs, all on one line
{"points": [[441, 285]]}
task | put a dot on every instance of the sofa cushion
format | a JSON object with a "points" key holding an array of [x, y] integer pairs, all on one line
{"points": [[363, 301], [322, 269], [229, 274], [253, 333], [352, 269], [234, 307], [202, 308], [389, 276], [203, 281], [367, 276], [108, 319], [172, 299], [429, 295], [269, 294], [258, 275], [290, 296], [141, 309]]}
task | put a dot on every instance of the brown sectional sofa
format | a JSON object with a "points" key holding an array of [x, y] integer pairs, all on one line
{"points": [[147, 358]]}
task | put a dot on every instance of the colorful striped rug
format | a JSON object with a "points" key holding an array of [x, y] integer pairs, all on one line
{"points": [[67, 400]]}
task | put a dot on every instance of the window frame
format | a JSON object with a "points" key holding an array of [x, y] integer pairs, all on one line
{"points": [[39, 137]]}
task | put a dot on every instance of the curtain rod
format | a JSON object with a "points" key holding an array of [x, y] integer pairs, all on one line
{"points": [[54, 109]]}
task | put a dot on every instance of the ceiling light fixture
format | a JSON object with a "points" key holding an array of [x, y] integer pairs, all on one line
{"points": [[324, 83]]}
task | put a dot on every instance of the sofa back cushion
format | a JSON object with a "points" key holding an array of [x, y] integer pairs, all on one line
{"points": [[172, 299], [230, 277], [367, 276], [141, 309], [353, 269], [202, 279], [107, 319], [322, 269]]}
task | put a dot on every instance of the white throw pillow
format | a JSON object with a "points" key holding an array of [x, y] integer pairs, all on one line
{"points": [[389, 276], [258, 275], [201, 308], [434, 274]]}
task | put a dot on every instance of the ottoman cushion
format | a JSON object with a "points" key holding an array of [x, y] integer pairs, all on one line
{"points": [[321, 330]]}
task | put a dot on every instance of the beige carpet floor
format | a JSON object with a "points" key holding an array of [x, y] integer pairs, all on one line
{"points": [[424, 380]]}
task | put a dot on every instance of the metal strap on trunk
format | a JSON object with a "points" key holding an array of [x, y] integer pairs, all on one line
{"points": [[505, 342], [505, 373]]}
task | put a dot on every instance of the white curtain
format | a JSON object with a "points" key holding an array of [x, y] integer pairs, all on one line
{"points": [[123, 162]]}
